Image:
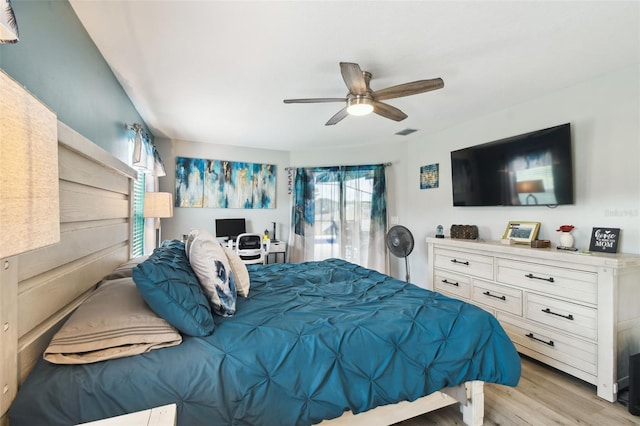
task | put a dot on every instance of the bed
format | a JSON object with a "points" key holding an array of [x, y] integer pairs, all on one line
{"points": [[310, 385], [311, 341]]}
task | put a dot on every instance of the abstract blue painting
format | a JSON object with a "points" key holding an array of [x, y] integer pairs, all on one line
{"points": [[189, 182], [430, 176], [225, 184]]}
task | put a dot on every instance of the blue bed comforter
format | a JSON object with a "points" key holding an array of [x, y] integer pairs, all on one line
{"points": [[311, 341]]}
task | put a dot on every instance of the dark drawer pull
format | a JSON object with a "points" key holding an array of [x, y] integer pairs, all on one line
{"points": [[450, 282], [550, 279], [531, 336], [486, 293], [549, 311], [462, 263]]}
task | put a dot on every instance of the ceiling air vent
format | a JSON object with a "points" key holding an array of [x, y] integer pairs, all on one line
{"points": [[406, 132]]}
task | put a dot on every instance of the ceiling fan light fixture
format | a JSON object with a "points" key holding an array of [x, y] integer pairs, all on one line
{"points": [[359, 105], [361, 100]]}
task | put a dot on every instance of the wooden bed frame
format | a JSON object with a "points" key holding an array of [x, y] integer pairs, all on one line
{"points": [[470, 396], [42, 287], [96, 209]]}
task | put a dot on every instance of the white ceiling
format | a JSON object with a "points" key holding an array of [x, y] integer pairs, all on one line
{"points": [[218, 71]]}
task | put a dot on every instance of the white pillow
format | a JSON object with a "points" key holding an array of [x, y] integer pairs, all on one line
{"points": [[240, 273], [209, 261], [187, 244]]}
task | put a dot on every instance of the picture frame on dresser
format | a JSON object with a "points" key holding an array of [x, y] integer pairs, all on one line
{"points": [[521, 232], [604, 240]]}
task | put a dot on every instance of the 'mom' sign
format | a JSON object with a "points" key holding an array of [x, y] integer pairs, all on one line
{"points": [[604, 240]]}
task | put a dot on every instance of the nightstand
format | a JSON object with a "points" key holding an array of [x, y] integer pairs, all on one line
{"points": [[158, 416], [276, 249]]}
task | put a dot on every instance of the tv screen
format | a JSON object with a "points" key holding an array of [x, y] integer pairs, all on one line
{"points": [[534, 168], [230, 228]]}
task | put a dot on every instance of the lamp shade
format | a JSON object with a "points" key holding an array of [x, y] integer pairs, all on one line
{"points": [[158, 204], [29, 196]]}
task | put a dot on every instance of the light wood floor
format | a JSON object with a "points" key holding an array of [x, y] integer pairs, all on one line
{"points": [[543, 397]]}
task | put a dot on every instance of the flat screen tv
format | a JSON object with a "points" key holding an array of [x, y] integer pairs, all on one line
{"points": [[534, 168], [230, 228]]}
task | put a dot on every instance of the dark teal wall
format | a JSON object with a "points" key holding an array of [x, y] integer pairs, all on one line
{"points": [[57, 61]]}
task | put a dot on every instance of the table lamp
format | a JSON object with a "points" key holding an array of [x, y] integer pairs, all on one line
{"points": [[158, 205]]}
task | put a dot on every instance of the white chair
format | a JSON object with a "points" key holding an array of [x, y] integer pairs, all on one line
{"points": [[251, 249]]}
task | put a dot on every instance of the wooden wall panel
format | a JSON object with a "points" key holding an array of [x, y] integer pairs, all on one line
{"points": [[72, 168], [30, 350], [8, 322], [73, 245], [47, 293], [82, 203], [76, 142]]}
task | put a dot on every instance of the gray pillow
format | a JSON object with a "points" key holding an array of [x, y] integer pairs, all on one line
{"points": [[124, 270], [114, 322]]}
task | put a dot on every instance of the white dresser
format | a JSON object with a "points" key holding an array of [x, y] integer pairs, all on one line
{"points": [[577, 312]]}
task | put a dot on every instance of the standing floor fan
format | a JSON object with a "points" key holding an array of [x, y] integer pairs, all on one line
{"points": [[400, 243]]}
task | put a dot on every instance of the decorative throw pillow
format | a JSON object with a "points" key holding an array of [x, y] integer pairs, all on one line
{"points": [[239, 272], [210, 263], [190, 237], [114, 322], [170, 287]]}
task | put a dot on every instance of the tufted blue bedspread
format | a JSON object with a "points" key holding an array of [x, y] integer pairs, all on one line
{"points": [[311, 341]]}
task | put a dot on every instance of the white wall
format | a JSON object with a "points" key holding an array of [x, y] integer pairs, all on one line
{"points": [[185, 219], [605, 117], [393, 152]]}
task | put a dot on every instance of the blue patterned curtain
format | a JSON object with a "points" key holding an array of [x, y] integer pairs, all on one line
{"points": [[146, 158], [340, 212]]}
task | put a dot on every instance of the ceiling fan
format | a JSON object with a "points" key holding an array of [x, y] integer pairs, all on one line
{"points": [[361, 100]]}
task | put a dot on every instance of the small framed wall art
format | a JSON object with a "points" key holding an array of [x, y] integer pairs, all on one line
{"points": [[430, 176], [604, 240], [521, 232]]}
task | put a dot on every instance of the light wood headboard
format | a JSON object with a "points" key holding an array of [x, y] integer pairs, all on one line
{"points": [[42, 287]]}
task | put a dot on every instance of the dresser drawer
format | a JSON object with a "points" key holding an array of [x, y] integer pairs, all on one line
{"points": [[484, 307], [471, 302], [458, 285], [478, 265], [568, 283], [566, 349], [498, 296], [565, 316]]}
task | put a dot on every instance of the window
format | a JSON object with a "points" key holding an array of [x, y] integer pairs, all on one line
{"points": [[138, 217], [343, 217], [340, 212]]}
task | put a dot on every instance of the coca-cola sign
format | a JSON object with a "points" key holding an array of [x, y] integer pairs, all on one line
{"points": [[605, 240]]}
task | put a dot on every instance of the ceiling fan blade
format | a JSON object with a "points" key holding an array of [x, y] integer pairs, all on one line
{"points": [[314, 100], [337, 117], [408, 89], [353, 78], [388, 111]]}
